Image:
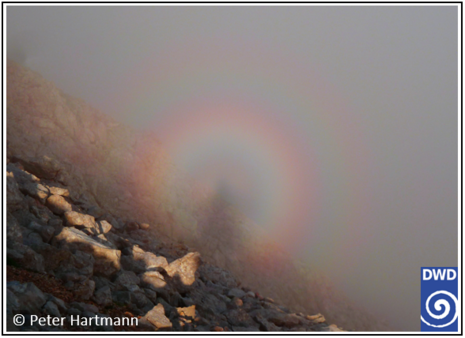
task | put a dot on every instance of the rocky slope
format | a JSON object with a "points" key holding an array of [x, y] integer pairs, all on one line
{"points": [[90, 200], [96, 258]]}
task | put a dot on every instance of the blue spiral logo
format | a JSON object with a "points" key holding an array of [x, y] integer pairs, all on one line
{"points": [[445, 306]]}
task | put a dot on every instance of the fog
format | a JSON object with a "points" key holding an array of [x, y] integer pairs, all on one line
{"points": [[332, 127]]}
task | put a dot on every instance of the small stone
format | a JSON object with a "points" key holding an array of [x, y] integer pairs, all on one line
{"points": [[144, 226], [237, 301], [157, 318], [250, 294], [318, 318]]}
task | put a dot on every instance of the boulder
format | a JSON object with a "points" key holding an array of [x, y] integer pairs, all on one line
{"points": [[30, 298], [46, 232], [125, 279], [183, 270], [36, 190], [77, 219], [103, 296], [25, 257], [58, 205], [43, 214], [107, 260]]}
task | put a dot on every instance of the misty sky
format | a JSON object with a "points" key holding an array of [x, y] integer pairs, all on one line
{"points": [[335, 127]]}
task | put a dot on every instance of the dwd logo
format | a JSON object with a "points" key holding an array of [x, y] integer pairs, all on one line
{"points": [[439, 287]]}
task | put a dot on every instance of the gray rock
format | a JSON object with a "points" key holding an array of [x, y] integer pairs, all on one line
{"points": [[100, 282], [50, 308], [139, 299], [152, 295], [103, 296], [46, 232], [265, 325], [239, 317], [13, 194], [56, 224], [30, 298], [43, 214], [61, 305], [12, 302], [84, 290], [236, 292], [250, 294], [84, 307], [33, 240], [217, 275], [286, 320], [13, 231], [58, 204], [25, 257], [125, 279], [121, 297], [36, 190], [107, 260]]}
